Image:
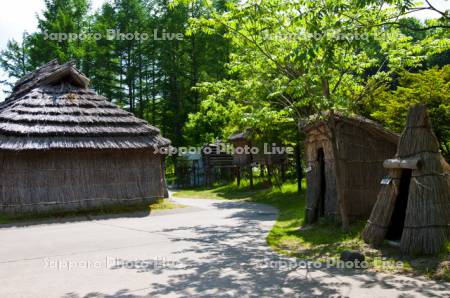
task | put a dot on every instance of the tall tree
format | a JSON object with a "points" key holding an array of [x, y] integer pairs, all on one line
{"points": [[59, 19], [311, 57], [15, 59]]}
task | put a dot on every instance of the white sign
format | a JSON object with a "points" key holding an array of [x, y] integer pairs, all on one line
{"points": [[386, 181]]}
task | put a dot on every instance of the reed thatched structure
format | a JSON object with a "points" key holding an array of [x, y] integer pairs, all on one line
{"points": [[414, 204], [244, 159], [64, 147], [245, 139], [362, 147], [217, 162]]}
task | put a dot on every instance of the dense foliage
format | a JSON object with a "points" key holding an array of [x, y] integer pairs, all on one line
{"points": [[432, 87], [268, 65], [151, 76]]}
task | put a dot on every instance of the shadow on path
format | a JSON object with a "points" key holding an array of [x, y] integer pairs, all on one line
{"points": [[233, 259]]}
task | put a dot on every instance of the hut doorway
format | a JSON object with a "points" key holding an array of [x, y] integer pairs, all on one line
{"points": [[397, 223], [322, 183]]}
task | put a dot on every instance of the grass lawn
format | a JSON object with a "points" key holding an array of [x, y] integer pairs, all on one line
{"points": [[325, 239], [158, 205]]}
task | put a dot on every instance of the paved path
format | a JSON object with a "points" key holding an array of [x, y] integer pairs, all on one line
{"points": [[213, 249]]}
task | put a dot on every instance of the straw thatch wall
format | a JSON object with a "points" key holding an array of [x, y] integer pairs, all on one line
{"points": [[71, 180], [383, 209], [426, 225], [363, 146], [63, 146]]}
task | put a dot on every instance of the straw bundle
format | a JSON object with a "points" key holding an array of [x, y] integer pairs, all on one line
{"points": [[427, 221], [380, 217]]}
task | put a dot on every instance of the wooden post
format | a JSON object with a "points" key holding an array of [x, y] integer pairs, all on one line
{"points": [[338, 175], [238, 176], [269, 173], [298, 166], [251, 175], [207, 176], [412, 163], [283, 172]]}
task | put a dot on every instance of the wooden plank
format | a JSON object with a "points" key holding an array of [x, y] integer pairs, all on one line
{"points": [[413, 163]]}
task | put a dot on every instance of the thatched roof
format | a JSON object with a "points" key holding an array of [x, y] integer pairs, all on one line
{"points": [[53, 108], [427, 221], [238, 136], [355, 120], [245, 135]]}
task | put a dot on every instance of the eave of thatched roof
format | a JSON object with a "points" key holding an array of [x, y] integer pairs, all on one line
{"points": [[359, 121], [241, 135], [52, 108], [237, 136]]}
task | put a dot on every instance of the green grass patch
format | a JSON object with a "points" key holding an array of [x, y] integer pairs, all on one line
{"points": [[325, 239], [158, 205], [228, 192]]}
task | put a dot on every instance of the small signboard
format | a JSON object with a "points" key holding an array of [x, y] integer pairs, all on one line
{"points": [[386, 181], [308, 169]]}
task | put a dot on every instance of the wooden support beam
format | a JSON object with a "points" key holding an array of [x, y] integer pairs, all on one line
{"points": [[412, 164], [238, 176]]}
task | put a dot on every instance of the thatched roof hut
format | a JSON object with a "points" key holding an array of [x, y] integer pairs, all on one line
{"points": [[242, 157], [249, 153], [217, 162], [62, 146], [362, 146], [414, 204], [241, 140]]}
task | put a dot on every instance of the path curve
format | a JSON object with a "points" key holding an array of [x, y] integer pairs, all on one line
{"points": [[211, 249]]}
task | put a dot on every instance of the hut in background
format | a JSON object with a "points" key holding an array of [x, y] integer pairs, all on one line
{"points": [[217, 163], [241, 160], [245, 160], [189, 170], [413, 205], [64, 147], [362, 146]]}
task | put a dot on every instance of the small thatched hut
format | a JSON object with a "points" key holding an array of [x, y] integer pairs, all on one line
{"points": [[241, 140], [217, 162], [245, 140], [362, 146], [243, 157], [189, 170], [64, 147], [414, 204]]}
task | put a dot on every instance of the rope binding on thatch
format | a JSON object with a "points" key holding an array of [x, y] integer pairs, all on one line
{"points": [[426, 225]]}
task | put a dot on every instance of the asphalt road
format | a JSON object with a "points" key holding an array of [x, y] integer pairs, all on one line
{"points": [[212, 249]]}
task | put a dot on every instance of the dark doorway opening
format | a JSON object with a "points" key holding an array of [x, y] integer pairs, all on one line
{"points": [[397, 223], [323, 183]]}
